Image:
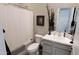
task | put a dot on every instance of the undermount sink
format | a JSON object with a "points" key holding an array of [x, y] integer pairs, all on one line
{"points": [[57, 38], [64, 39]]}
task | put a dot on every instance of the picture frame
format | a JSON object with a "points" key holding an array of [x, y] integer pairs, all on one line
{"points": [[40, 20]]}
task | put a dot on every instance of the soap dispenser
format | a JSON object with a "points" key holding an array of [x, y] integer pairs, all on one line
{"points": [[64, 33]]}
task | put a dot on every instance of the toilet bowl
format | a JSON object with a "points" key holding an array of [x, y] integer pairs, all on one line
{"points": [[33, 48]]}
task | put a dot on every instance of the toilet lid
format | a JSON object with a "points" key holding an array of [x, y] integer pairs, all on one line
{"points": [[33, 46]]}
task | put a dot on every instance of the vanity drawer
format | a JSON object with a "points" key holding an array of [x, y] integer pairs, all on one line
{"points": [[47, 48], [46, 42]]}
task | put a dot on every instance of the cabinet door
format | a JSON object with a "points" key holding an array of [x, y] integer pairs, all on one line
{"points": [[47, 47], [59, 51]]}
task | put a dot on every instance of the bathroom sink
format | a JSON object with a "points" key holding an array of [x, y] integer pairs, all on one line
{"points": [[57, 38], [64, 40]]}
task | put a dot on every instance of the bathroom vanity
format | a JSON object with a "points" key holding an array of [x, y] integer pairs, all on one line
{"points": [[53, 45]]}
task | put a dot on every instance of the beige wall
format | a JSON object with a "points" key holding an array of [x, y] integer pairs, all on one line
{"points": [[39, 9]]}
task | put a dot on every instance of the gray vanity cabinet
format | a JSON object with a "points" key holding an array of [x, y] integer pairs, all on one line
{"points": [[54, 48]]}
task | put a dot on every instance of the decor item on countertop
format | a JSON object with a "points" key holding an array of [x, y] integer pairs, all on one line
{"points": [[51, 20], [64, 33]]}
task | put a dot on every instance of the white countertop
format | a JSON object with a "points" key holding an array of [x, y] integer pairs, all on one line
{"points": [[59, 39]]}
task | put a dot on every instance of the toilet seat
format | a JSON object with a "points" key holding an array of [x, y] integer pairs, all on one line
{"points": [[33, 47]]}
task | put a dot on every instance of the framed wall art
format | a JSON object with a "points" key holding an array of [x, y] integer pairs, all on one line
{"points": [[40, 20]]}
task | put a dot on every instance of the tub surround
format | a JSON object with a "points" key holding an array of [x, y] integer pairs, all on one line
{"points": [[18, 24]]}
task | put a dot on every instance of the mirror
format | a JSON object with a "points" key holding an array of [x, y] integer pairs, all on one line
{"points": [[64, 19], [61, 20]]}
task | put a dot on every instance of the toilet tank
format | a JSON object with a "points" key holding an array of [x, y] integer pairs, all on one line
{"points": [[38, 38]]}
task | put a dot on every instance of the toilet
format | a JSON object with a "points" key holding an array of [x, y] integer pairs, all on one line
{"points": [[33, 48]]}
